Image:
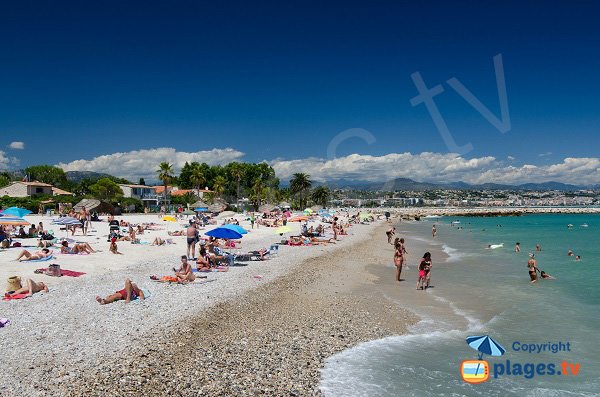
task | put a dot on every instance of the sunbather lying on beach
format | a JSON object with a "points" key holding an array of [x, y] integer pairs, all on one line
{"points": [[28, 256], [80, 248], [316, 241], [177, 233], [129, 293], [185, 273], [31, 287], [158, 241]]}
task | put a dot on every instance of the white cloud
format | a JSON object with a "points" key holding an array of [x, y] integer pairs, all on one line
{"points": [[423, 167], [438, 167], [17, 145], [546, 154], [6, 162], [144, 163], [511, 158]]}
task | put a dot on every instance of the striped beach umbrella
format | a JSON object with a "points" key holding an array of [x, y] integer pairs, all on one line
{"points": [[66, 221], [485, 345], [8, 220]]}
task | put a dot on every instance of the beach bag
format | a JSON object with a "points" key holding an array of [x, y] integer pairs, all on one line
{"points": [[54, 270], [13, 284]]}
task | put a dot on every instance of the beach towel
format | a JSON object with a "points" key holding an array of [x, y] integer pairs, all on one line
{"points": [[4, 322], [8, 297], [146, 295], [63, 272], [41, 260]]}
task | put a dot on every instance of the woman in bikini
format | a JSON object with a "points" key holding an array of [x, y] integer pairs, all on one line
{"points": [[532, 266], [399, 252]]}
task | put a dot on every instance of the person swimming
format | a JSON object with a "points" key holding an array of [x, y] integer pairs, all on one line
{"points": [[546, 276]]}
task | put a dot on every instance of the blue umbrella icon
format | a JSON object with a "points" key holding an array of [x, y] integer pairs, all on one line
{"points": [[485, 345]]}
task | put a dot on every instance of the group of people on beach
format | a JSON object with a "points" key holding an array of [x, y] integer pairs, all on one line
{"points": [[400, 256]]}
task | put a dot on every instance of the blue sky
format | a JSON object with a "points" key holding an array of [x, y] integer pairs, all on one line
{"points": [[278, 82]]}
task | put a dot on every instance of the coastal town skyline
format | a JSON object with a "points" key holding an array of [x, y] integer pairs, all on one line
{"points": [[341, 83]]}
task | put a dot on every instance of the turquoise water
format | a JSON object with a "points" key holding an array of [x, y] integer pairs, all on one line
{"points": [[480, 291]]}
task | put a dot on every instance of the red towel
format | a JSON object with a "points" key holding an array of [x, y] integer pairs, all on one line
{"points": [[63, 272], [14, 296]]}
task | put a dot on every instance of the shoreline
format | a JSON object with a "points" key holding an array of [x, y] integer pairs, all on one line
{"points": [[271, 340], [421, 212]]}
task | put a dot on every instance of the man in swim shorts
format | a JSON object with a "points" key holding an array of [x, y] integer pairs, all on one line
{"points": [[129, 293], [192, 238]]}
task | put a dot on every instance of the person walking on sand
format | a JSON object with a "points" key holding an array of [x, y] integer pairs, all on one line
{"points": [[532, 267], [433, 231], [399, 252], [424, 271], [128, 293], [390, 233]]}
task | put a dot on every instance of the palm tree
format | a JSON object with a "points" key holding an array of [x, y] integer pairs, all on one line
{"points": [[237, 171], [321, 195], [299, 184], [197, 178], [219, 185], [257, 193], [165, 174]]}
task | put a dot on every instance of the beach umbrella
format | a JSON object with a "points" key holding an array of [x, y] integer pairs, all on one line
{"points": [[283, 229], [308, 211], [201, 209], [188, 212], [236, 228], [223, 232], [8, 220], [485, 345], [169, 218], [16, 211], [67, 221]]}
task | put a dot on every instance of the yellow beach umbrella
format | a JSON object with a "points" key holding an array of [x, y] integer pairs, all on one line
{"points": [[169, 218]]}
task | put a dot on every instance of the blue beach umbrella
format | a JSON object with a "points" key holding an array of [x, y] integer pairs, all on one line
{"points": [[201, 209], [223, 232], [485, 345], [16, 211], [236, 228]]}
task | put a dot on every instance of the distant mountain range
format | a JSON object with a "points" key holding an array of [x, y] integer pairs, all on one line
{"points": [[78, 176], [409, 184]]}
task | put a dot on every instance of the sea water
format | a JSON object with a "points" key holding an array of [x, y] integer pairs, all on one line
{"points": [[479, 291]]}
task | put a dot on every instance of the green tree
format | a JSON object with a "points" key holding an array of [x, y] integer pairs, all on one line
{"points": [[48, 174], [4, 181], [257, 193], [106, 189], [299, 185], [219, 185], [142, 182], [165, 174], [197, 178], [321, 195], [237, 171]]}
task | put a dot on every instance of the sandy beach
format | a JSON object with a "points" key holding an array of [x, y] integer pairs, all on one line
{"points": [[281, 318]]}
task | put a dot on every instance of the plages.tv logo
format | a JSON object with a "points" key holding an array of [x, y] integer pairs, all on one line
{"points": [[478, 371]]}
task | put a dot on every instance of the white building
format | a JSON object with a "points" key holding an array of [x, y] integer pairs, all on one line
{"points": [[27, 189]]}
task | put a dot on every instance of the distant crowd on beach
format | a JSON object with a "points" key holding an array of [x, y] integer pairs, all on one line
{"points": [[203, 253]]}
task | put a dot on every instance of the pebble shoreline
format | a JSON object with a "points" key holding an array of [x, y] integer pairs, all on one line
{"points": [[269, 340]]}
